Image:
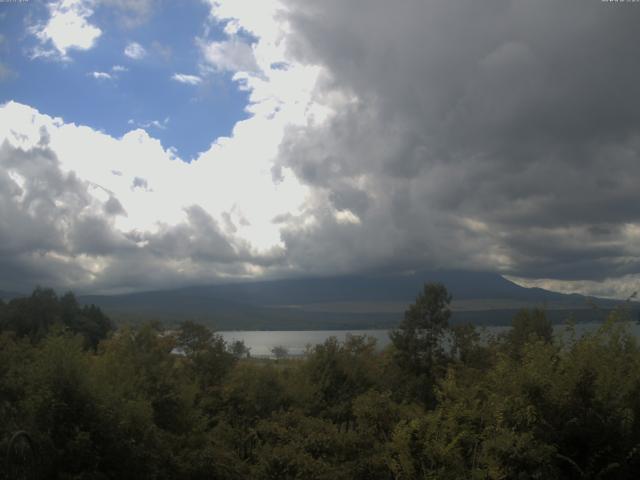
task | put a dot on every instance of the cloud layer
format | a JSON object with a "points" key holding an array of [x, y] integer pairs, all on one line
{"points": [[488, 135], [499, 135]]}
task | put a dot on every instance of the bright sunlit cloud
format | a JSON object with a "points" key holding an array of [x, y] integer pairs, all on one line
{"points": [[67, 28]]}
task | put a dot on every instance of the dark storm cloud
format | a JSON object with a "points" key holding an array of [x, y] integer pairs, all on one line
{"points": [[95, 235], [38, 206], [495, 134], [24, 271], [37, 201], [114, 207], [199, 238]]}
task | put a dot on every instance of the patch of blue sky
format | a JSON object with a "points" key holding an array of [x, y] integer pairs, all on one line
{"points": [[185, 117]]}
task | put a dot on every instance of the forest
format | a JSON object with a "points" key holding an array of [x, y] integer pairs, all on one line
{"points": [[441, 402]]}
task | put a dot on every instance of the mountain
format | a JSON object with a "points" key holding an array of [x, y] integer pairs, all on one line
{"points": [[6, 296], [344, 302]]}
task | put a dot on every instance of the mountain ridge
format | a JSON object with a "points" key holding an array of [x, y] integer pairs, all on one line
{"points": [[342, 302]]}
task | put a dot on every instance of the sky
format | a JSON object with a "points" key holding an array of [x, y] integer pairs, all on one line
{"points": [[151, 144]]}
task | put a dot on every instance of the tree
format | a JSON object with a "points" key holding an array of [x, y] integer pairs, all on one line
{"points": [[338, 373], [36, 315], [194, 337], [89, 321], [207, 353], [279, 352], [238, 349], [418, 339], [33, 316], [527, 326]]}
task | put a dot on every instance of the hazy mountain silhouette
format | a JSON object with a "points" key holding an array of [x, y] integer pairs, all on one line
{"points": [[354, 301], [6, 295]]}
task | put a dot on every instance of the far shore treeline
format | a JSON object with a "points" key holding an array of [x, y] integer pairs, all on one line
{"points": [[141, 402]]}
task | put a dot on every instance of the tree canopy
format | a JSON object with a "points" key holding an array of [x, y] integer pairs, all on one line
{"points": [[34, 316], [440, 402]]}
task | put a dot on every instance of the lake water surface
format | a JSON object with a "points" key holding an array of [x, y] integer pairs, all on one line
{"points": [[296, 342]]}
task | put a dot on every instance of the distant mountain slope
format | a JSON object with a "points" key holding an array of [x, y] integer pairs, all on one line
{"points": [[6, 296], [340, 302]]}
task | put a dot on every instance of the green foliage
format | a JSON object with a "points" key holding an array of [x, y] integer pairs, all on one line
{"points": [[528, 325], [207, 360], [440, 403], [34, 316], [337, 374], [253, 392], [418, 341], [279, 351]]}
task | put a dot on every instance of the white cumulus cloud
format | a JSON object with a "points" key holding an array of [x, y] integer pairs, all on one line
{"points": [[67, 28], [233, 55], [101, 75], [198, 221], [135, 51], [188, 79]]}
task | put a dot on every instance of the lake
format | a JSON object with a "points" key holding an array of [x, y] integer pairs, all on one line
{"points": [[296, 342]]}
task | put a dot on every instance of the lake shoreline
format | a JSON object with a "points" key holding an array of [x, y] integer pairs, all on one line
{"points": [[296, 342]]}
